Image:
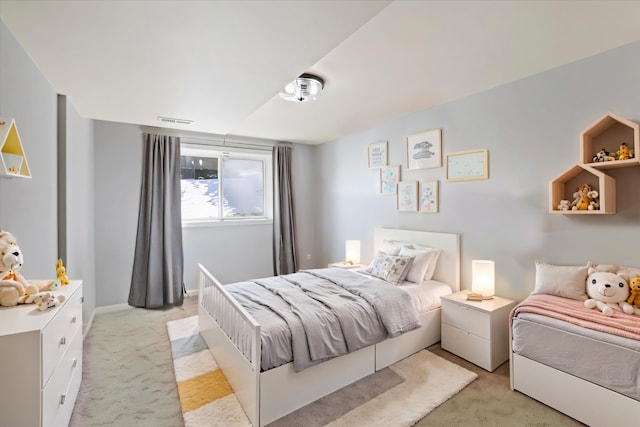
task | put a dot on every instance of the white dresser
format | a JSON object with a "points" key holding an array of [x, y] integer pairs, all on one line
{"points": [[477, 331], [41, 361]]}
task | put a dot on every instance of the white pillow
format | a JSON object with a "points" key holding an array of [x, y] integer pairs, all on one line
{"points": [[391, 248], [391, 268], [566, 281], [424, 263]]}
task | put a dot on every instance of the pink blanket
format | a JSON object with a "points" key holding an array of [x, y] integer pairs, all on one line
{"points": [[572, 311]]}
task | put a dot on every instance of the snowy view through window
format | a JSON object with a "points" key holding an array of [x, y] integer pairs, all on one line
{"points": [[242, 188]]}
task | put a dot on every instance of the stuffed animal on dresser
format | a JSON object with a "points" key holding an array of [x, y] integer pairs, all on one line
{"points": [[12, 284], [608, 292]]}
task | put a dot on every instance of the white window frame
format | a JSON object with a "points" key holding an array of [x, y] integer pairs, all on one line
{"points": [[221, 152]]}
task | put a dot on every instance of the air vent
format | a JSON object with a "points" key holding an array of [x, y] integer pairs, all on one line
{"points": [[174, 120]]}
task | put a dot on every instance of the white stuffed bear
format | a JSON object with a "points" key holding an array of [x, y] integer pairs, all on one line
{"points": [[12, 284], [608, 292]]}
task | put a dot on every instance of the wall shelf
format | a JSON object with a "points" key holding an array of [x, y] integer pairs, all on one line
{"points": [[13, 162], [608, 133]]}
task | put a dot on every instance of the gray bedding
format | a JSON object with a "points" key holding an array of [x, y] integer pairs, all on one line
{"points": [[315, 315], [608, 360]]}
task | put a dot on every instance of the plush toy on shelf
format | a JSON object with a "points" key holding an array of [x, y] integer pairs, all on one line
{"points": [[624, 152], [608, 292], [61, 272], [583, 197], [602, 156], [634, 297], [564, 205]]}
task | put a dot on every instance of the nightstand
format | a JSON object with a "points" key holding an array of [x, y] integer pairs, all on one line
{"points": [[477, 331], [343, 264]]}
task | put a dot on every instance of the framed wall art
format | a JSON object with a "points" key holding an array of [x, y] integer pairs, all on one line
{"points": [[428, 196], [389, 178], [424, 149], [408, 196], [377, 155], [468, 165]]}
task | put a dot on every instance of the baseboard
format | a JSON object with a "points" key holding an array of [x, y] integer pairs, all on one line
{"points": [[111, 308]]}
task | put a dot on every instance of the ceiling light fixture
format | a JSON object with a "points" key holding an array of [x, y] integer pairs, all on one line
{"points": [[303, 89]]}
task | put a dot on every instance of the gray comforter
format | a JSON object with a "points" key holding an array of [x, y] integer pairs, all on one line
{"points": [[319, 314]]}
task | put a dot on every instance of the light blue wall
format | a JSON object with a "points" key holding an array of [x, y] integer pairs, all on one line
{"points": [[80, 228], [28, 206], [531, 128], [231, 253]]}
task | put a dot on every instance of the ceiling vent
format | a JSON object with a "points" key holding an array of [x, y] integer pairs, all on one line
{"points": [[174, 120]]}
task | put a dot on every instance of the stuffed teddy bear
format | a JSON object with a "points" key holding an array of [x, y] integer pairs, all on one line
{"points": [[607, 292], [581, 198], [12, 284], [634, 297], [623, 152], [564, 205]]}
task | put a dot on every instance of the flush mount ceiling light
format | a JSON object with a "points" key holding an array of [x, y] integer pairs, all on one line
{"points": [[303, 89]]}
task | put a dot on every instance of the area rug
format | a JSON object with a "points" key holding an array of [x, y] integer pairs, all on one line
{"points": [[399, 395]]}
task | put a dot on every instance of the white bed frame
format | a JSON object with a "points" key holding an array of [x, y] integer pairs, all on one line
{"points": [[267, 396], [587, 402]]}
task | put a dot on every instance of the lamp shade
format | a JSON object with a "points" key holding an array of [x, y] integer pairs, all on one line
{"points": [[483, 280], [352, 251]]}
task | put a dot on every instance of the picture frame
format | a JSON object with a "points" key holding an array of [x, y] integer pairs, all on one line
{"points": [[468, 165], [424, 150], [407, 198], [389, 178], [428, 197], [378, 155]]}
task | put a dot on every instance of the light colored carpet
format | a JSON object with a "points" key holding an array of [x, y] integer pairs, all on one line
{"points": [[413, 388], [128, 380]]}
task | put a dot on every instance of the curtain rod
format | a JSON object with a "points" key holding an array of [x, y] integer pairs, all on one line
{"points": [[266, 146]]}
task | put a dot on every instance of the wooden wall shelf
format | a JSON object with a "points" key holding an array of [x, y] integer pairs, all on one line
{"points": [[13, 162], [608, 133]]}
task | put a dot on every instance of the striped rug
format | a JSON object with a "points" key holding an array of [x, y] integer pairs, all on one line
{"points": [[205, 395], [400, 395]]}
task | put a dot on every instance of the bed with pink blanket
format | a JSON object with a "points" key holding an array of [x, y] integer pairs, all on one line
{"points": [[577, 360]]}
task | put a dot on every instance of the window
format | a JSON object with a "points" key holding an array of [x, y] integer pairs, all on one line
{"points": [[216, 185]]}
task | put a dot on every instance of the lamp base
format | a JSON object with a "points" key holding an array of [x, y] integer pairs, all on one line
{"points": [[472, 296]]}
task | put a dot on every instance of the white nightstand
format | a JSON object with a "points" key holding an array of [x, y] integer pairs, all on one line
{"points": [[477, 331]]}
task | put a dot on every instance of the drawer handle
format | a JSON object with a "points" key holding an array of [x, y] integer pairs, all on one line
{"points": [[62, 399], [75, 363], [74, 319], [81, 299], [63, 340]]}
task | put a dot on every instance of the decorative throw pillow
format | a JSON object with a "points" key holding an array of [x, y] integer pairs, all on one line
{"points": [[561, 280], [391, 268], [424, 263]]}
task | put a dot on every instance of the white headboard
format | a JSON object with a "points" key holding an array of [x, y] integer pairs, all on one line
{"points": [[448, 267]]}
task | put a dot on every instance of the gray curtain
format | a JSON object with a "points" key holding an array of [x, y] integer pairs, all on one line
{"points": [[158, 263], [284, 241]]}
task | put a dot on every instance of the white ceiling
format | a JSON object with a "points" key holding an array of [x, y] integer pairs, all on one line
{"points": [[222, 63]]}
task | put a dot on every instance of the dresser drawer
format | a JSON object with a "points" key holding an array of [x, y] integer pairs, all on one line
{"points": [[470, 347], [57, 335], [465, 318], [60, 393]]}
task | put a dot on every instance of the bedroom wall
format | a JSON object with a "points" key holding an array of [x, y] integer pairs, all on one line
{"points": [[531, 128], [28, 206], [77, 231], [231, 252]]}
